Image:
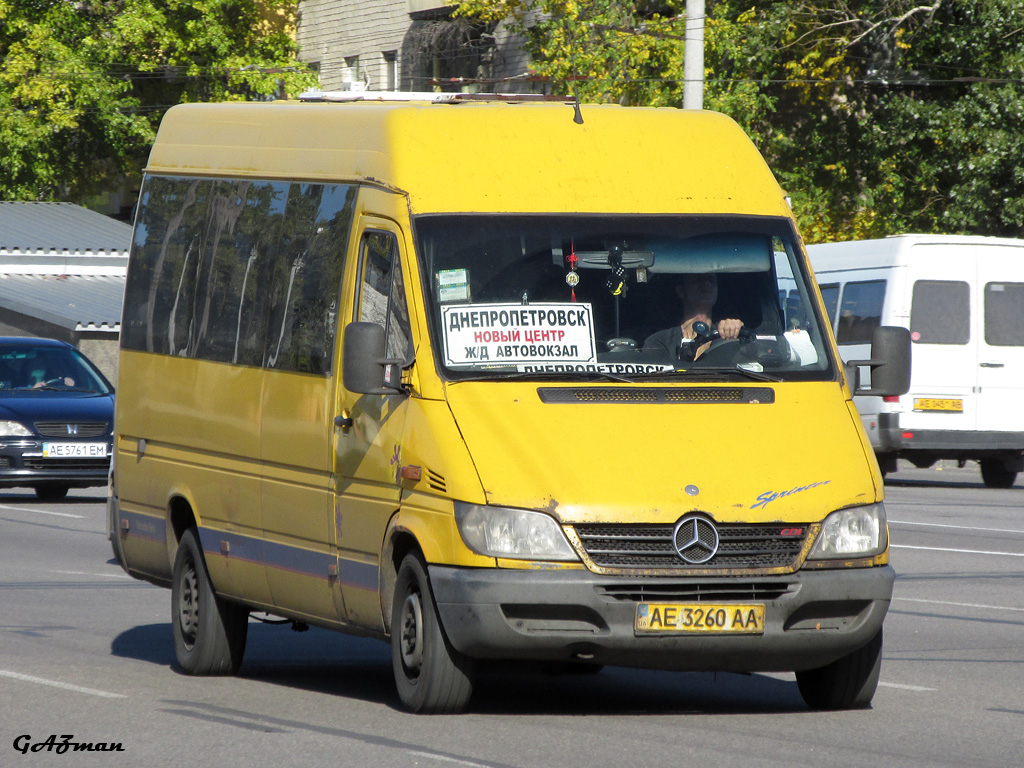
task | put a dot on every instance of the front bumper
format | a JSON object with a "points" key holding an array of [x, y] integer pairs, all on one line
{"points": [[22, 463], [812, 618]]}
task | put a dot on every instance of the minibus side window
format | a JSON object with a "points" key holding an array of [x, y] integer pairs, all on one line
{"points": [[861, 311], [305, 291], [241, 271], [382, 292], [242, 230], [160, 285], [1004, 314], [940, 312], [830, 295]]}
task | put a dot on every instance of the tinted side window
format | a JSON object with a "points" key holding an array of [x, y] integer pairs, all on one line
{"points": [[160, 286], [1004, 314], [861, 311], [940, 312], [305, 290], [240, 240], [830, 295], [238, 271]]}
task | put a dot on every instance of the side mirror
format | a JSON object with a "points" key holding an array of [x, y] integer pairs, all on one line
{"points": [[889, 363], [365, 369]]}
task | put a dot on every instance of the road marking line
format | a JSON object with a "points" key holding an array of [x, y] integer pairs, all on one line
{"points": [[960, 605], [964, 551], [41, 512], [902, 687], [58, 684], [446, 759], [959, 527], [97, 575]]}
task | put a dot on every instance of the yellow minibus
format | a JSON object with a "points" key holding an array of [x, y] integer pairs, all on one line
{"points": [[490, 384]]}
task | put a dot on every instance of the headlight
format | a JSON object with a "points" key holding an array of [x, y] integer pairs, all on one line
{"points": [[854, 532], [519, 534], [13, 429]]}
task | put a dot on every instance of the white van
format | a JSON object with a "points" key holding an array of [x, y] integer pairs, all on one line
{"points": [[963, 300]]}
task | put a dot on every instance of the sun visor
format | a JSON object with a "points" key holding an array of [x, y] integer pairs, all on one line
{"points": [[712, 253]]}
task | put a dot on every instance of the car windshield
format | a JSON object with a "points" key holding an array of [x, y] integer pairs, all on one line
{"points": [[28, 367], [634, 297]]}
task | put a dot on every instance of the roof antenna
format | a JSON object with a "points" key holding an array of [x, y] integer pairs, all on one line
{"points": [[577, 116]]}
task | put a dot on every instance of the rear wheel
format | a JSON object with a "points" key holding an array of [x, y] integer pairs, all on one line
{"points": [[209, 632], [996, 475], [848, 683], [51, 491], [431, 676]]}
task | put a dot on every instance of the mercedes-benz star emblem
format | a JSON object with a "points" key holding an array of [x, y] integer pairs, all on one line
{"points": [[695, 539]]}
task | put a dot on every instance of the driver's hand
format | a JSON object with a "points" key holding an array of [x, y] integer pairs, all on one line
{"points": [[729, 329]]}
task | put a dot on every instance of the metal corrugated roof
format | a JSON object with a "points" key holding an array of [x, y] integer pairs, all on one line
{"points": [[76, 302], [33, 227]]}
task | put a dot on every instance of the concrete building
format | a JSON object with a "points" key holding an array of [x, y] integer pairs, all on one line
{"points": [[408, 45], [62, 276]]}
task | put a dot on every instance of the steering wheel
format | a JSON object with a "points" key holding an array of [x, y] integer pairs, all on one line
{"points": [[721, 352]]}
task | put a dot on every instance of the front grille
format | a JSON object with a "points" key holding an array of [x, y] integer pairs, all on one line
{"points": [[99, 465], [651, 395], [695, 592], [71, 429], [650, 546]]}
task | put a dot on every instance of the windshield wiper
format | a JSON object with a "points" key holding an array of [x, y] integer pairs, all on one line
{"points": [[548, 376], [736, 371], [54, 389]]}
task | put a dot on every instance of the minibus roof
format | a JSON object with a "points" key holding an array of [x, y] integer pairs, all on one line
{"points": [[479, 155]]}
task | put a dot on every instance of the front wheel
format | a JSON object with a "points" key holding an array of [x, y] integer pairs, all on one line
{"points": [[209, 632], [431, 676], [848, 683]]}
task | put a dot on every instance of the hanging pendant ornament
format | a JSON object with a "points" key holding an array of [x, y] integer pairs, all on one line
{"points": [[572, 279], [616, 283]]}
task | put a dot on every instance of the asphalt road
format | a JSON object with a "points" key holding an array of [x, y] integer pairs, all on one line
{"points": [[86, 656]]}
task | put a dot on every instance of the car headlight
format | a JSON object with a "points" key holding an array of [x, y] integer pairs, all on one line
{"points": [[853, 532], [13, 429], [518, 534]]}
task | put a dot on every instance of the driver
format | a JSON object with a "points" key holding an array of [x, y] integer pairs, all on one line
{"points": [[698, 292]]}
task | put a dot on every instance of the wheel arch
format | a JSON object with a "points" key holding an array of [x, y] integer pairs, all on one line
{"points": [[180, 517], [399, 542]]}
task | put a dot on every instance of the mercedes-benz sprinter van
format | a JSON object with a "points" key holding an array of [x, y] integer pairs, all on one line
{"points": [[491, 384]]}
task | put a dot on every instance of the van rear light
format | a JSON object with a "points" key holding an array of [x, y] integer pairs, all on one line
{"points": [[891, 399], [907, 435]]}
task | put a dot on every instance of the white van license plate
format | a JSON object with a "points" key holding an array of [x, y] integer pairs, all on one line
{"points": [[699, 618], [75, 450], [938, 404]]}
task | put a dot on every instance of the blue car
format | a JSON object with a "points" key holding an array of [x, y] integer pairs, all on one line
{"points": [[56, 418]]}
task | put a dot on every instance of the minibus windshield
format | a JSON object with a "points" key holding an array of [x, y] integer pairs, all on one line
{"points": [[579, 296]]}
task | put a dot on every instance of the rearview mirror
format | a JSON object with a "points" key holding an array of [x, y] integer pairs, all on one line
{"points": [[889, 363], [365, 368]]}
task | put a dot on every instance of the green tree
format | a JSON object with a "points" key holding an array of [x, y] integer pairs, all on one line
{"points": [[878, 116], [83, 85]]}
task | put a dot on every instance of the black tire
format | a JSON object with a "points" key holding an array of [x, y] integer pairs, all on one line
{"points": [[209, 632], [431, 676], [848, 683], [996, 475], [51, 491]]}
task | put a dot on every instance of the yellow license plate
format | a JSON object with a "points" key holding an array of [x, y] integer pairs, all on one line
{"points": [[700, 618], [938, 404]]}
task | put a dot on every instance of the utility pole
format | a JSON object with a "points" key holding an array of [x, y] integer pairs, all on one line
{"points": [[693, 56]]}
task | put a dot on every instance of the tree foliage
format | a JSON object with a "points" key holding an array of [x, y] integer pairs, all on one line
{"points": [[878, 116], [84, 84]]}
